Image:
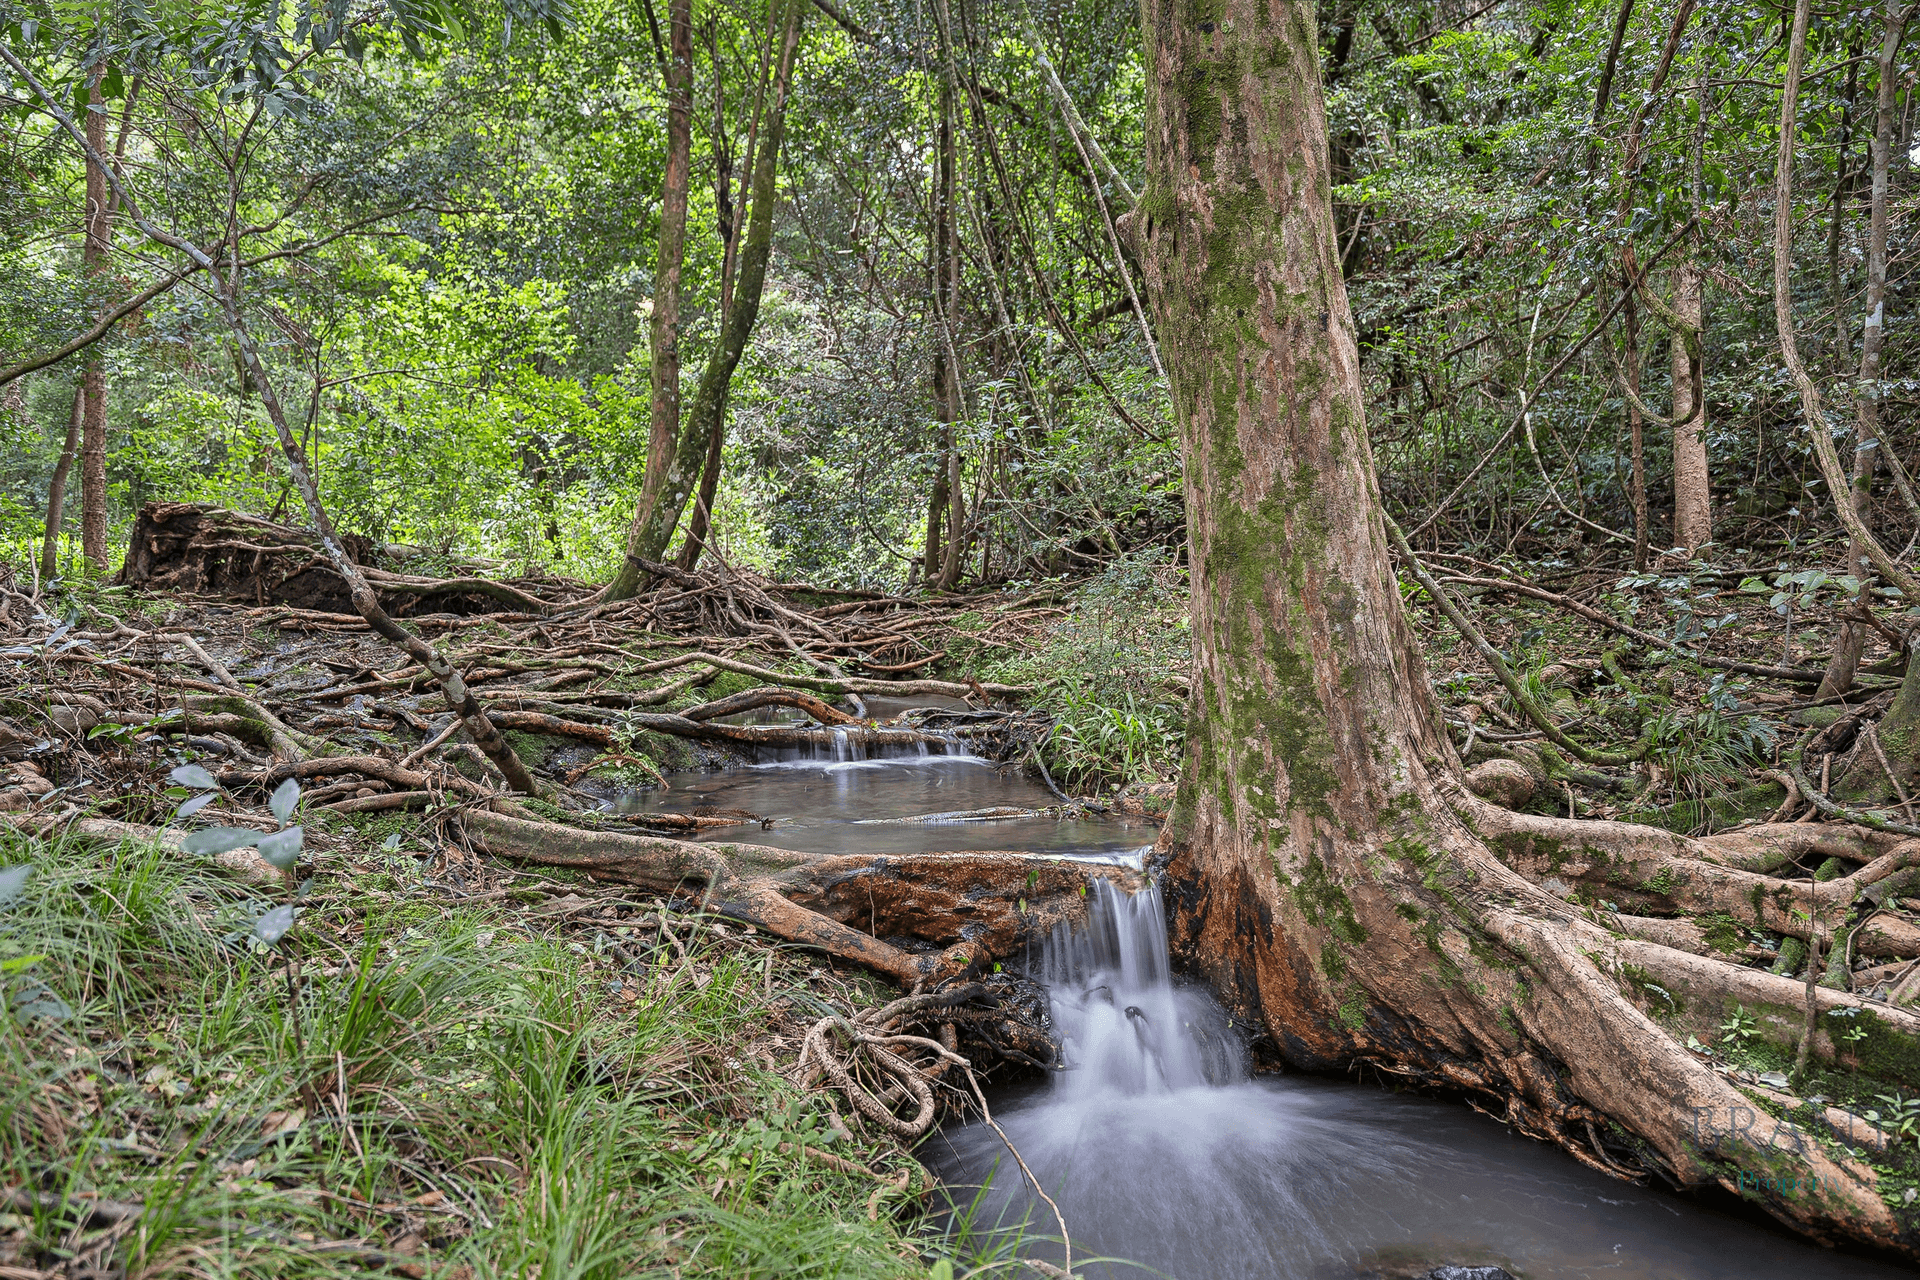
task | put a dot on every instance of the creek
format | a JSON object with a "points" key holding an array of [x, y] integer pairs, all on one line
{"points": [[1165, 1153]]}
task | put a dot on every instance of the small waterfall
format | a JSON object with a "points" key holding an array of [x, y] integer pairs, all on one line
{"points": [[848, 747], [1123, 1026]]}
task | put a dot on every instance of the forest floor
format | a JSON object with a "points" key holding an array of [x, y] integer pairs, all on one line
{"points": [[443, 1062]]}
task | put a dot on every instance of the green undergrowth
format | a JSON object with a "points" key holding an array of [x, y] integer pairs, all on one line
{"points": [[1112, 674], [454, 1092]]}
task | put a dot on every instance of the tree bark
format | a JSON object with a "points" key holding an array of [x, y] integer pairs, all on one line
{"points": [[1325, 868], [1898, 732], [947, 395], [1636, 431], [699, 520], [663, 335], [933, 557], [653, 529], [57, 489], [1692, 500], [93, 377], [1867, 454]]}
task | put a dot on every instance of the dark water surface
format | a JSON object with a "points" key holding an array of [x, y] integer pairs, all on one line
{"points": [[1162, 1150]]}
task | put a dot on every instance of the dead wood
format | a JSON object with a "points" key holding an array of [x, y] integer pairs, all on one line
{"points": [[198, 550], [958, 909]]}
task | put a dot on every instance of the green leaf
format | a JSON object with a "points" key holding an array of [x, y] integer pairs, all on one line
{"points": [[282, 848], [195, 805], [219, 840], [192, 775], [273, 926], [285, 797]]}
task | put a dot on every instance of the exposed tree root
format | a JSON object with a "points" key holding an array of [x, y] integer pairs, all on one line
{"points": [[774, 696], [1645, 866]]}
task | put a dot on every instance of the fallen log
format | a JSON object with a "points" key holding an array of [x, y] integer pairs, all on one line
{"points": [[872, 909]]}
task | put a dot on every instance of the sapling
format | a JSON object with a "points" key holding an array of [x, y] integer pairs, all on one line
{"points": [[280, 848]]}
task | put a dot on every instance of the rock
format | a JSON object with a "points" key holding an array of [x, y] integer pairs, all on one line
{"points": [[1468, 1273], [1504, 782]]}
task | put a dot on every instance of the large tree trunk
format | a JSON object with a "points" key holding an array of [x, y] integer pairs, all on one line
{"points": [[653, 525], [663, 335], [93, 377], [1326, 870]]}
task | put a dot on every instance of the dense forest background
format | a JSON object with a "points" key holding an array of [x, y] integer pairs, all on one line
{"points": [[661, 364], [454, 250]]}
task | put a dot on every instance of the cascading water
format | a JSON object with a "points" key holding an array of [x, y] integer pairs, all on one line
{"points": [[1123, 1027], [1162, 1151]]}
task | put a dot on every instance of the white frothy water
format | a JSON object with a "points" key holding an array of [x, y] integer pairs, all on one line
{"points": [[1162, 1152], [1123, 1027], [1149, 1134], [837, 749]]}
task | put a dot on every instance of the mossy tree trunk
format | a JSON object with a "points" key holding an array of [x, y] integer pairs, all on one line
{"points": [[663, 334], [657, 518], [1325, 868]]}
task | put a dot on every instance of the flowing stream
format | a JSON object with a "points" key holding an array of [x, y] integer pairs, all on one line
{"points": [[1165, 1155]]}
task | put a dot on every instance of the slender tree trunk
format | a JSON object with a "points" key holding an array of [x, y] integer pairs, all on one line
{"points": [[1692, 500], [57, 489], [1866, 779], [956, 520], [1324, 867], [947, 395], [653, 529], [1636, 444], [93, 379], [663, 337], [701, 517], [933, 557]]}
